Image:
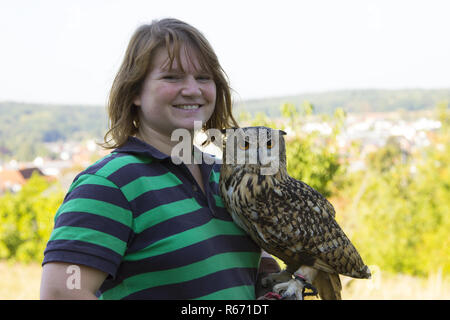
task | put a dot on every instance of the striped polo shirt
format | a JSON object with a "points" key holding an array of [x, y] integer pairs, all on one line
{"points": [[144, 220]]}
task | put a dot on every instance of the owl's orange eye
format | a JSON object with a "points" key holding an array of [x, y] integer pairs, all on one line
{"points": [[244, 146], [269, 144]]}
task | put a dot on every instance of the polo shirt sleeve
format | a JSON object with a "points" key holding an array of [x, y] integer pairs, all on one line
{"points": [[92, 226]]}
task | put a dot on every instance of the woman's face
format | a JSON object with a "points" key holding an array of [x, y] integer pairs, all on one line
{"points": [[172, 98]]}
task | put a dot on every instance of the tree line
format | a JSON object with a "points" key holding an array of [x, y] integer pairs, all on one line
{"points": [[25, 128]]}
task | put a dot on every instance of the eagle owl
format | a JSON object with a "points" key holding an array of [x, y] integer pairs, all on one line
{"points": [[284, 216]]}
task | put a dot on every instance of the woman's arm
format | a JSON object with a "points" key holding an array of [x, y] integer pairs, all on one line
{"points": [[65, 281], [267, 265]]}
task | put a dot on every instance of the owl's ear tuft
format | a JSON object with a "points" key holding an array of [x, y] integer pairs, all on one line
{"points": [[283, 133]]}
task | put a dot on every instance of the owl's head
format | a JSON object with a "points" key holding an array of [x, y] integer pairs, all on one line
{"points": [[259, 150]]}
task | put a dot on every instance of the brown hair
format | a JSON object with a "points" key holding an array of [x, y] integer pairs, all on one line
{"points": [[171, 34]]}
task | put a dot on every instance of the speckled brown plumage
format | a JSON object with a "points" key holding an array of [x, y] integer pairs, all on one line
{"points": [[286, 217]]}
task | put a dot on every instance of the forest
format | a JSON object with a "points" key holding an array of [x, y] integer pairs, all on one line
{"points": [[25, 128]]}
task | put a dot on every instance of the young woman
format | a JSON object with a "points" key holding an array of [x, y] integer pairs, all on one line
{"points": [[135, 225]]}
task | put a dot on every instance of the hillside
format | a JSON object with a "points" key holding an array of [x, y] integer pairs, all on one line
{"points": [[352, 101], [25, 128]]}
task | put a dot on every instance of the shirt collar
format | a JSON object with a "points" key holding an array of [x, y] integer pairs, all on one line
{"points": [[137, 146]]}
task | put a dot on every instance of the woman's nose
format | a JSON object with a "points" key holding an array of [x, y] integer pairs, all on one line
{"points": [[191, 87]]}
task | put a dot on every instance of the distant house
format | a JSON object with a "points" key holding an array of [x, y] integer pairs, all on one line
{"points": [[28, 172], [13, 180]]}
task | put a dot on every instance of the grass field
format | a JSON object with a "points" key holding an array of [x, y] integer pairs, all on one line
{"points": [[22, 281], [19, 281]]}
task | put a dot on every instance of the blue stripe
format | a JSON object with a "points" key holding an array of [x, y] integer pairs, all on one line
{"points": [[156, 198], [190, 254], [102, 162], [102, 193], [134, 171], [81, 252], [169, 228], [211, 283], [103, 224]]}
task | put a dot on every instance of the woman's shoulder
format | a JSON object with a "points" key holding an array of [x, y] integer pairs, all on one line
{"points": [[115, 164]]}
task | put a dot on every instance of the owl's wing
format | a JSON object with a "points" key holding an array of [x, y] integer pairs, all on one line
{"points": [[301, 222], [315, 197]]}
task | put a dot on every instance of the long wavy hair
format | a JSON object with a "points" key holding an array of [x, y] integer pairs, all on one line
{"points": [[171, 34]]}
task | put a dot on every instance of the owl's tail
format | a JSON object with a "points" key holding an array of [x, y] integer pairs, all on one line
{"points": [[328, 285]]}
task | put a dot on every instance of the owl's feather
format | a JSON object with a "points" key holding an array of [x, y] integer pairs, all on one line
{"points": [[328, 285], [292, 221]]}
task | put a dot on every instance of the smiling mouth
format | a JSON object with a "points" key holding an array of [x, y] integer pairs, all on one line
{"points": [[188, 106]]}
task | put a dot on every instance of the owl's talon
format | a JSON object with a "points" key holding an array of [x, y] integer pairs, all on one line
{"points": [[291, 289], [306, 285], [275, 278], [295, 288]]}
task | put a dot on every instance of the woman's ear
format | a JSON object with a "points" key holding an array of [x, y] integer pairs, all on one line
{"points": [[137, 101]]}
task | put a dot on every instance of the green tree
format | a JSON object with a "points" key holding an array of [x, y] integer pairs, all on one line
{"points": [[26, 220], [403, 211], [386, 157], [443, 115]]}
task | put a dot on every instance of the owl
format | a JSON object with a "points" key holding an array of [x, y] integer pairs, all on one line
{"points": [[284, 216]]}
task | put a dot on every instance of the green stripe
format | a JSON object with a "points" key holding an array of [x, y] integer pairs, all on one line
{"points": [[141, 185], [214, 176], [211, 229], [165, 212], [234, 293], [192, 271], [219, 202], [119, 162], [96, 207], [90, 236], [91, 179], [101, 159]]}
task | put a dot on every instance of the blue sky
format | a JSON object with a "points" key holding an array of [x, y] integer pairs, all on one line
{"points": [[69, 51]]}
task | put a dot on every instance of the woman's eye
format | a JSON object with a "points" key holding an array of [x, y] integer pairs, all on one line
{"points": [[204, 78], [171, 77]]}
